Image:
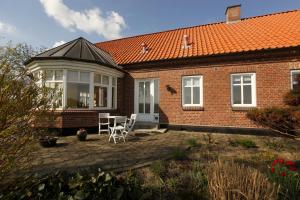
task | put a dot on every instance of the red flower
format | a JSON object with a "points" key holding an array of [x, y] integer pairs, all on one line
{"points": [[282, 174], [293, 169], [281, 161], [273, 170], [275, 162], [290, 163]]}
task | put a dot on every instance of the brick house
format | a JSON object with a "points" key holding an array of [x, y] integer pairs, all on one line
{"points": [[203, 77]]}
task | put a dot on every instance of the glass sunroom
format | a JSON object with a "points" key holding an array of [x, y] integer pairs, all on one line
{"points": [[85, 76]]}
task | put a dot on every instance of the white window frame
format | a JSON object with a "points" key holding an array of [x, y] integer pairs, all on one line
{"points": [[253, 89], [80, 82], [294, 71], [53, 81], [102, 85], [201, 91]]}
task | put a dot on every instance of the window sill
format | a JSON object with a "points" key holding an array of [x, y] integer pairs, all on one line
{"points": [[241, 108], [192, 108]]}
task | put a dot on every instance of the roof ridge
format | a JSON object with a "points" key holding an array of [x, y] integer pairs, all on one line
{"points": [[200, 25]]}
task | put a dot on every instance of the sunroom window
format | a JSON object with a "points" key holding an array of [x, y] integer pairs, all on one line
{"points": [[54, 79], [101, 85], [192, 91], [78, 95], [243, 90]]}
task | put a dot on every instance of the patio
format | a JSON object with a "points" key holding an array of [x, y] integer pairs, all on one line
{"points": [[96, 152]]}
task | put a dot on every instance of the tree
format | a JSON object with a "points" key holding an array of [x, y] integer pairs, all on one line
{"points": [[23, 103]]}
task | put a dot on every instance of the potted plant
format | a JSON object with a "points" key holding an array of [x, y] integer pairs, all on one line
{"points": [[81, 134], [48, 141]]}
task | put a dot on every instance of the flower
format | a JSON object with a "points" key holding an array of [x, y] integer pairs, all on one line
{"points": [[282, 174], [290, 163], [293, 169], [273, 170], [281, 161]]}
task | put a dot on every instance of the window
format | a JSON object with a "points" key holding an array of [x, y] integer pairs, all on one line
{"points": [[78, 94], [295, 80], [192, 91], [54, 79], [102, 89], [243, 90]]}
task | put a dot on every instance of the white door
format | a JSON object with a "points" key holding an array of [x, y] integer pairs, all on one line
{"points": [[147, 100]]}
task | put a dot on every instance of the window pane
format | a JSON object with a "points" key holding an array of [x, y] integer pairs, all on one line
{"points": [[58, 75], [100, 96], [49, 75], [72, 76], [196, 95], [57, 98], [236, 79], [187, 82], [247, 94], [196, 82], [295, 81], [85, 77], [236, 94], [114, 81], [77, 95], [247, 79], [105, 80], [97, 78], [156, 97], [36, 75], [141, 97], [187, 95], [147, 97]]}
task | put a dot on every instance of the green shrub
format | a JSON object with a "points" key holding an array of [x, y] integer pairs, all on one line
{"points": [[159, 168], [244, 143], [179, 154], [192, 142], [62, 185]]}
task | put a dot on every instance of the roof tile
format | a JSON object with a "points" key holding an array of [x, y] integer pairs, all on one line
{"points": [[271, 31]]}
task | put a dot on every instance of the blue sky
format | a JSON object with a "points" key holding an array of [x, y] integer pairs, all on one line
{"points": [[46, 22]]}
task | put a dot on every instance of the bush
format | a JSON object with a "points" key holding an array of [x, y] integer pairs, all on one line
{"points": [[292, 98], [228, 180], [284, 174], [283, 120], [159, 168], [62, 185], [192, 142], [179, 154]]}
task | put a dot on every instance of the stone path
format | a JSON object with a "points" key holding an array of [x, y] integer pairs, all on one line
{"points": [[71, 154]]}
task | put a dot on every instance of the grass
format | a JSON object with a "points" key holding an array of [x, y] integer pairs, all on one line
{"points": [[179, 154], [246, 143], [193, 142], [159, 168]]}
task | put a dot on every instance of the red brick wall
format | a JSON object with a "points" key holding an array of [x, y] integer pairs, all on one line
{"points": [[272, 82]]}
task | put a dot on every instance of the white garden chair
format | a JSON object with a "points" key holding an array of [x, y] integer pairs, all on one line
{"points": [[117, 131], [103, 121], [130, 124]]}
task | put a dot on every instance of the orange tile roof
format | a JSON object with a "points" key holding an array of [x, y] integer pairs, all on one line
{"points": [[271, 31]]}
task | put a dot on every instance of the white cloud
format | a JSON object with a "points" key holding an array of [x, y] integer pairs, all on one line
{"points": [[89, 21], [7, 28], [58, 43]]}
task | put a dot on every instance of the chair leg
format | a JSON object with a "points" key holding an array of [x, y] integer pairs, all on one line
{"points": [[99, 129]]}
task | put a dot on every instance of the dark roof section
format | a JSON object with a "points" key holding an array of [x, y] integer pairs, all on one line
{"points": [[79, 49]]}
